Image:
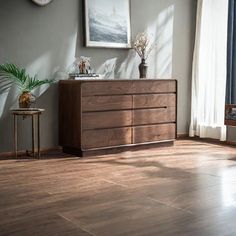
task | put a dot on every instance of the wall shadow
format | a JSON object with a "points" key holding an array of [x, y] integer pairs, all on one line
{"points": [[45, 45]]}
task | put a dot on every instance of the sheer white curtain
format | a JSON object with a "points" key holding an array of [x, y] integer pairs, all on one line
{"points": [[209, 70]]}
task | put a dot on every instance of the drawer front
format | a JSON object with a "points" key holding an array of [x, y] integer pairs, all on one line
{"points": [[106, 103], [106, 138], [154, 116], [111, 119], [154, 100], [153, 133], [106, 88], [152, 86]]}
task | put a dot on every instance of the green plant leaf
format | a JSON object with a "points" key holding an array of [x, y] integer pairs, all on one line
{"points": [[13, 73], [19, 76]]}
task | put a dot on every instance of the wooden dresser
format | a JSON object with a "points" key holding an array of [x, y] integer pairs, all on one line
{"points": [[101, 114]]}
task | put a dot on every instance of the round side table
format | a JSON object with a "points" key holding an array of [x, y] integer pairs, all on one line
{"points": [[33, 113]]}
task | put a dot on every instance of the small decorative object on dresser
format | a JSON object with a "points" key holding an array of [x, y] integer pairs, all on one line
{"points": [[81, 69], [143, 47], [82, 65], [23, 81]]}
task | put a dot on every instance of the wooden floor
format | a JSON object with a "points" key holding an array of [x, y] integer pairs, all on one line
{"points": [[188, 189]]}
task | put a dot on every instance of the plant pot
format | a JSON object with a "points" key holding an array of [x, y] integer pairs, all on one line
{"points": [[26, 100], [143, 67]]}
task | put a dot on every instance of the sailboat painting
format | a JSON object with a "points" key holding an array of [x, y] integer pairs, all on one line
{"points": [[107, 23]]}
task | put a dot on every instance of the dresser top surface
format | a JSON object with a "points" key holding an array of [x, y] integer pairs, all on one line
{"points": [[113, 80]]}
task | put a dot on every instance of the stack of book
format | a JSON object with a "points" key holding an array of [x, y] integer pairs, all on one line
{"points": [[78, 76]]}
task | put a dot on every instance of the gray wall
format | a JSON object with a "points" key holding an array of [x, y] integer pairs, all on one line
{"points": [[231, 133], [46, 41]]}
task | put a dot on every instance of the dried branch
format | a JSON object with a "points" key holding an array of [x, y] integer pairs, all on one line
{"points": [[142, 45]]}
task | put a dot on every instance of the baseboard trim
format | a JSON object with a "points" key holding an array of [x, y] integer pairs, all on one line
{"points": [[22, 153], [230, 143], [182, 136], [210, 140]]}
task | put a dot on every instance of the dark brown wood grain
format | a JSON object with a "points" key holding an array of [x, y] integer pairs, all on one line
{"points": [[152, 133], [154, 116], [183, 190], [106, 103], [154, 100], [106, 138], [69, 114], [92, 88], [92, 113], [154, 86], [108, 119]]}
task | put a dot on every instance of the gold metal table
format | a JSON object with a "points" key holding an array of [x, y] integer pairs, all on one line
{"points": [[33, 113]]}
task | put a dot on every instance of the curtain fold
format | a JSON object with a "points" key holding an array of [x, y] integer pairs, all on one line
{"points": [[231, 55], [209, 70]]}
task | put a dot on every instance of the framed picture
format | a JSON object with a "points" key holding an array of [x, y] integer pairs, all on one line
{"points": [[107, 23]]}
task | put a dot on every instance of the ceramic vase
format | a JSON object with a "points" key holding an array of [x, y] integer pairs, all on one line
{"points": [[26, 100], [143, 67]]}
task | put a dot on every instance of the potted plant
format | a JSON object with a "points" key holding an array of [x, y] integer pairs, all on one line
{"points": [[24, 82]]}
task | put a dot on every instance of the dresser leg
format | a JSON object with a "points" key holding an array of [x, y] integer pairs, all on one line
{"points": [[15, 135], [33, 135], [38, 136]]}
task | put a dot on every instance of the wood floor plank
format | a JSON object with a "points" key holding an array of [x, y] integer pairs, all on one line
{"points": [[43, 225], [187, 189]]}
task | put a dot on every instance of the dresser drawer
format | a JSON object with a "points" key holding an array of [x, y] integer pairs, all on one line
{"points": [[152, 86], [106, 103], [110, 119], [154, 133], [154, 116], [154, 100], [106, 138], [106, 88]]}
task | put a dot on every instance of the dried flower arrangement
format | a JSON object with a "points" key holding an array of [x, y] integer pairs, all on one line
{"points": [[142, 45]]}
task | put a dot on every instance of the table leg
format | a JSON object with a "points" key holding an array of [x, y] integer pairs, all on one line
{"points": [[38, 135], [33, 135], [15, 135]]}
